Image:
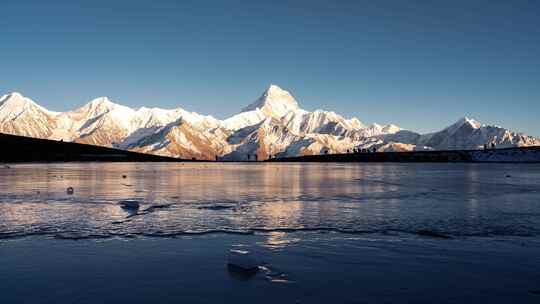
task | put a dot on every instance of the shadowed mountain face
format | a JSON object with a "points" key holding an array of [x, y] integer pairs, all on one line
{"points": [[273, 125]]}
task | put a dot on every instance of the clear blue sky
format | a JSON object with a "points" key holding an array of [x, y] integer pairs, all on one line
{"points": [[420, 64]]}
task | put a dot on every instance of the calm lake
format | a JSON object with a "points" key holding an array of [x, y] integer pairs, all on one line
{"points": [[343, 233]]}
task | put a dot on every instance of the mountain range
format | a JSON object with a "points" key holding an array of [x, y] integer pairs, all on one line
{"points": [[274, 125]]}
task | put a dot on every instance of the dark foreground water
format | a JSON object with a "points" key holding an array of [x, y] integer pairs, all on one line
{"points": [[347, 233]]}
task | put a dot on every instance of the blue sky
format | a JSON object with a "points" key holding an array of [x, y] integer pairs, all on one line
{"points": [[419, 64]]}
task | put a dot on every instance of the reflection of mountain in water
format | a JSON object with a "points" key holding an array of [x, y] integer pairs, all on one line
{"points": [[194, 198]]}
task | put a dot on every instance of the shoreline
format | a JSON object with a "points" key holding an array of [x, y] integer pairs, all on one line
{"points": [[529, 155]]}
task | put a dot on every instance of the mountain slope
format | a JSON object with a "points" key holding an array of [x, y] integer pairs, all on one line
{"points": [[22, 116], [180, 138]]}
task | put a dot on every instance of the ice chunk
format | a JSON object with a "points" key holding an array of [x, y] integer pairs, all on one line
{"points": [[242, 260], [275, 276], [70, 190], [431, 233], [216, 207], [129, 204]]}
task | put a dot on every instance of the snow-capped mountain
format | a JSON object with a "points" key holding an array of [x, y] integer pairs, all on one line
{"points": [[22, 116], [273, 125], [465, 134]]}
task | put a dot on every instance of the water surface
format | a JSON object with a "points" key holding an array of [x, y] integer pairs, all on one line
{"points": [[458, 200]]}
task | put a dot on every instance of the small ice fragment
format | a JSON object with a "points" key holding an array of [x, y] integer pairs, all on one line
{"points": [[216, 207], [275, 276], [431, 233], [69, 190], [129, 204], [242, 260], [157, 207]]}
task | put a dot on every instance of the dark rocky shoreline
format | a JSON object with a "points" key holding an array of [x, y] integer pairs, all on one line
{"points": [[504, 155]]}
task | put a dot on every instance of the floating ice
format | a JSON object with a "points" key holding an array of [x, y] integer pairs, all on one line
{"points": [[129, 204], [242, 261], [275, 276], [431, 233], [216, 207], [156, 207], [70, 190]]}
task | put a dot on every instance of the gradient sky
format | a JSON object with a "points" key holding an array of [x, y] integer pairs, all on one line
{"points": [[419, 64]]}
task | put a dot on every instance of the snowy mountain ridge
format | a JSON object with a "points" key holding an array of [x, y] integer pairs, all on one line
{"points": [[273, 125]]}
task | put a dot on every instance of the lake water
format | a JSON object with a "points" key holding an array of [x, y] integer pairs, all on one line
{"points": [[451, 199], [342, 233]]}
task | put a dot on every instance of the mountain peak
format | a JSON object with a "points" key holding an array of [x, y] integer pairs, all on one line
{"points": [[14, 97], [101, 104], [16, 100], [102, 101], [274, 102], [469, 121], [14, 103], [464, 121], [274, 89]]}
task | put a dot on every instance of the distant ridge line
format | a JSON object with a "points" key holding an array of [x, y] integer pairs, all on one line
{"points": [[503, 155]]}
